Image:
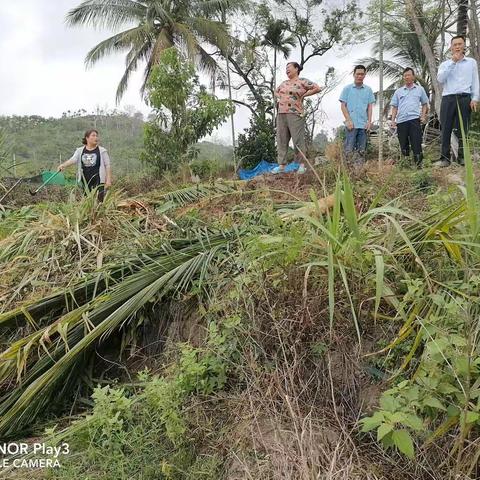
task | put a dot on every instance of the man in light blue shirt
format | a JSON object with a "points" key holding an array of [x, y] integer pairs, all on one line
{"points": [[461, 92], [406, 103], [357, 102]]}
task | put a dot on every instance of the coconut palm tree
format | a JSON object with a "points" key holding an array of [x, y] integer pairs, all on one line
{"points": [[153, 26], [403, 45], [462, 17], [277, 39]]}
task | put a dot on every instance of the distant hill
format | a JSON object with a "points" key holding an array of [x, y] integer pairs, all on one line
{"points": [[42, 143], [215, 151], [45, 142]]}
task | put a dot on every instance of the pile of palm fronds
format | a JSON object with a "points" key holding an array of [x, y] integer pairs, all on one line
{"points": [[69, 325], [52, 245], [71, 270]]}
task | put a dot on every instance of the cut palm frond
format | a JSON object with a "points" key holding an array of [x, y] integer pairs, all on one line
{"points": [[40, 368]]}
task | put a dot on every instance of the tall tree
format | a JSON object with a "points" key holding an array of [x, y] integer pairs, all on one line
{"points": [[248, 60], [311, 25], [317, 28], [184, 112], [279, 41], [474, 30], [189, 25], [415, 14]]}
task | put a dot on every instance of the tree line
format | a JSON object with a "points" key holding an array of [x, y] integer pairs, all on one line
{"points": [[238, 43]]}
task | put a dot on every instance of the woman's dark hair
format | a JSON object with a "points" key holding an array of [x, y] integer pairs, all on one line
{"points": [[296, 65], [360, 67], [409, 69], [87, 134]]}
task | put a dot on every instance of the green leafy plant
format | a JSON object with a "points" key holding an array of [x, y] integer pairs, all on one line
{"points": [[204, 169], [437, 386], [257, 143], [116, 438], [184, 112]]}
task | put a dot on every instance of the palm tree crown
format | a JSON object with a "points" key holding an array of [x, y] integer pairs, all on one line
{"points": [[153, 26], [402, 44], [276, 38]]}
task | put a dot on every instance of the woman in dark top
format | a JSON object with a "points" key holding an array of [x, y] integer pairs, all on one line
{"points": [[93, 164]]}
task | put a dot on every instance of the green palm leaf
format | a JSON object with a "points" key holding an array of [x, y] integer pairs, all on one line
{"points": [[134, 38], [106, 13], [46, 366], [157, 25]]}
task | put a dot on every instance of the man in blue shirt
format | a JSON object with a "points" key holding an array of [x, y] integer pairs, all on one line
{"points": [[406, 103], [357, 102], [461, 91]]}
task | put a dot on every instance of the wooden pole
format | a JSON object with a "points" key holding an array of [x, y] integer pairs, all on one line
{"points": [[232, 122], [380, 93]]}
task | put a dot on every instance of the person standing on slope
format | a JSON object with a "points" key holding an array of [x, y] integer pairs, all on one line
{"points": [[406, 116], [290, 117], [93, 165], [357, 102], [461, 92]]}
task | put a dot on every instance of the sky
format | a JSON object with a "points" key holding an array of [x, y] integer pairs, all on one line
{"points": [[43, 72]]}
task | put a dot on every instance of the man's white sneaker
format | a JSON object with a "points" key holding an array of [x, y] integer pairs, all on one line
{"points": [[301, 169]]}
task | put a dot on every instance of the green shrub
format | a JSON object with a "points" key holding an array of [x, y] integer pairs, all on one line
{"points": [[145, 434], [257, 143], [205, 169], [184, 113]]}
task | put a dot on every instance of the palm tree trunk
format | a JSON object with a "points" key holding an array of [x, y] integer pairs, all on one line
{"points": [[412, 10], [442, 33], [274, 98], [232, 121], [462, 17], [474, 32], [274, 87]]}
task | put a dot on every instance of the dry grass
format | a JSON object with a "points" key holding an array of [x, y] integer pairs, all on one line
{"points": [[52, 245], [296, 414]]}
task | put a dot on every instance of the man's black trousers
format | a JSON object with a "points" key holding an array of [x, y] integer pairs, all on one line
{"points": [[449, 121], [410, 135]]}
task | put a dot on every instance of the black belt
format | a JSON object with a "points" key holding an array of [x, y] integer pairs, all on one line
{"points": [[459, 95]]}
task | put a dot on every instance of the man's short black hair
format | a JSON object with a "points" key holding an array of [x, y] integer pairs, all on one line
{"points": [[458, 36], [409, 69], [360, 67]]}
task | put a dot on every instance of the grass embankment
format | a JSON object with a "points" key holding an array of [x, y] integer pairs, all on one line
{"points": [[254, 333]]}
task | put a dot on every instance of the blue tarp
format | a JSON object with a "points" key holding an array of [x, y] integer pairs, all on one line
{"points": [[265, 167]]}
